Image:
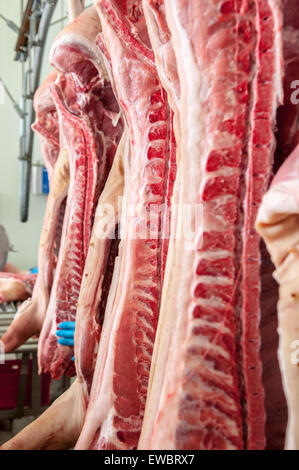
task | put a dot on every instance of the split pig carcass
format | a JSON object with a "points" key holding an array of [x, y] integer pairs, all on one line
{"points": [[118, 393], [222, 65], [206, 388], [90, 131]]}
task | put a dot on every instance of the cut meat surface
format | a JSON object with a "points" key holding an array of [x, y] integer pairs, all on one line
{"points": [[90, 131], [47, 127], [277, 222], [119, 388], [46, 124], [167, 70], [70, 264], [160, 37], [206, 363]]}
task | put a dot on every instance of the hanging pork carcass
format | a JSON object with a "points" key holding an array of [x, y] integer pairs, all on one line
{"points": [[215, 383]]}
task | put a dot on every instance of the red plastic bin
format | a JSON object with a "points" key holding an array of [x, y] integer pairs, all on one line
{"points": [[9, 385]]}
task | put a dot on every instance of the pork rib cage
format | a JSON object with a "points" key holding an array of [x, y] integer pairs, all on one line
{"points": [[208, 392], [87, 109]]}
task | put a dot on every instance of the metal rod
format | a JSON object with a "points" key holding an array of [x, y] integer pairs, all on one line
{"points": [[59, 21], [67, 16], [10, 24], [14, 103]]}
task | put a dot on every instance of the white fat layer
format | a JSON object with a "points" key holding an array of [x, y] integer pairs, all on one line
{"points": [[275, 6], [89, 49], [281, 199]]}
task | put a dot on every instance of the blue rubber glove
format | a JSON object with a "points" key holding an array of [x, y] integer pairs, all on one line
{"points": [[66, 333]]}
